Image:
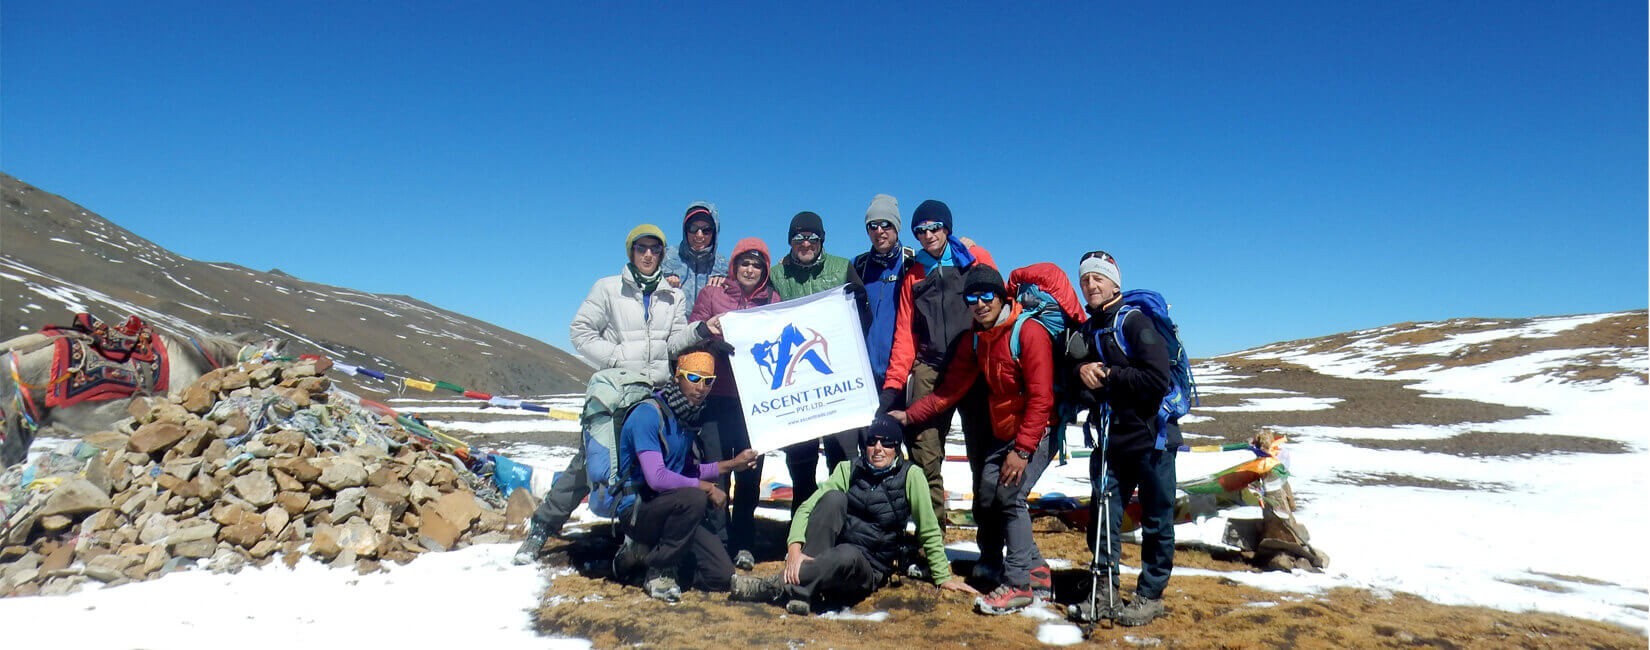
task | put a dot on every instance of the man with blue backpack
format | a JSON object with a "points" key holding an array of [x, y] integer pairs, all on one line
{"points": [[1122, 372]]}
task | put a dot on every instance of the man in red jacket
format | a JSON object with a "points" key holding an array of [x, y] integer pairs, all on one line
{"points": [[931, 318], [1020, 394]]}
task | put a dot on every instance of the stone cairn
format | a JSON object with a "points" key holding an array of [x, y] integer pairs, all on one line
{"points": [[252, 462]]}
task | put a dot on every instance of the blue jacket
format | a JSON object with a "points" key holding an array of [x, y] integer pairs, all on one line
{"points": [[882, 297], [650, 427], [696, 272]]}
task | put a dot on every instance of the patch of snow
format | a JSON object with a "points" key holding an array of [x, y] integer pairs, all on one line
{"points": [[309, 601], [1271, 404]]}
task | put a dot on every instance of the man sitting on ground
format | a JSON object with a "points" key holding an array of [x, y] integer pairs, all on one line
{"points": [[844, 540]]}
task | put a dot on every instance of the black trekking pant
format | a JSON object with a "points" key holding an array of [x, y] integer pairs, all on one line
{"points": [[671, 526], [1152, 471], [725, 435], [838, 572]]}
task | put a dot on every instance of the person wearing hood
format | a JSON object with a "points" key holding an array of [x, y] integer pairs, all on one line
{"points": [[808, 270], [695, 265], [664, 527], [724, 430], [632, 320], [844, 541], [881, 268], [1020, 397], [931, 318]]}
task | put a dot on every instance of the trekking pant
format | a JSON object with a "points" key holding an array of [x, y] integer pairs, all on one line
{"points": [[1152, 471], [571, 487], [1002, 516], [802, 459], [926, 440], [725, 435], [838, 572], [671, 525]]}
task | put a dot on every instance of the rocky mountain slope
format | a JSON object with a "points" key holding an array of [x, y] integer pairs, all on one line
{"points": [[57, 258]]}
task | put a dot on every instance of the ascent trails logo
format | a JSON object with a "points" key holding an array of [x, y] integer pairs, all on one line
{"points": [[780, 358]]}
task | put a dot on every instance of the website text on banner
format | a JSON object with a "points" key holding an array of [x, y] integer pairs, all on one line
{"points": [[802, 368]]}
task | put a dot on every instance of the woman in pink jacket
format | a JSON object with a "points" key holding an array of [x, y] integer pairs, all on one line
{"points": [[723, 430]]}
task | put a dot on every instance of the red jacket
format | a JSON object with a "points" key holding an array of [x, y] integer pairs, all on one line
{"points": [[904, 354], [1020, 394]]}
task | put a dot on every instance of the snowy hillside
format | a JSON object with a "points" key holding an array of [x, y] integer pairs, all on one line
{"points": [[56, 259]]}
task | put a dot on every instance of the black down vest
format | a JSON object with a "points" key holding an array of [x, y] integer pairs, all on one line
{"points": [[877, 511]]}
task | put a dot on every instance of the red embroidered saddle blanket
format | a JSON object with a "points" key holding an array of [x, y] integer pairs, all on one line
{"points": [[93, 361]]}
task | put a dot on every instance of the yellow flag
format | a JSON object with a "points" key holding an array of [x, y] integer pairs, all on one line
{"points": [[420, 385]]}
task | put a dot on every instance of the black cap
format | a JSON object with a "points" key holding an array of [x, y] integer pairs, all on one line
{"points": [[806, 221], [882, 426], [932, 210], [981, 277]]}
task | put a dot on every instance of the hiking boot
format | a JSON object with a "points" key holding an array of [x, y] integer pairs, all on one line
{"points": [[744, 561], [752, 589], [1140, 611], [528, 553], [1042, 583], [798, 607], [629, 561], [1005, 599], [919, 571], [661, 585]]}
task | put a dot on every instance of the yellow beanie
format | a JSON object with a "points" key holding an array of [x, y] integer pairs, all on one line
{"points": [[644, 230], [698, 362]]}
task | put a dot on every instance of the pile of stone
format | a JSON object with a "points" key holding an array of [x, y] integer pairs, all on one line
{"points": [[250, 463]]}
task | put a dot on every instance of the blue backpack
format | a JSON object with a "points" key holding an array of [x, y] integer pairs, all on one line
{"points": [[1182, 387]]}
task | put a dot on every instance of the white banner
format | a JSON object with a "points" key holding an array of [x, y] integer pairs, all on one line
{"points": [[802, 368]]}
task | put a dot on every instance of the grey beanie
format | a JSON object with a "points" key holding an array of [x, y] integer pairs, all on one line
{"points": [[883, 208], [1104, 264]]}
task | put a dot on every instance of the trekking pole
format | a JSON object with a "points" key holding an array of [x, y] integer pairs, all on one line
{"points": [[1101, 491]]}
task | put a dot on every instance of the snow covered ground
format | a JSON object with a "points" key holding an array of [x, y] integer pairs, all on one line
{"points": [[1555, 533]]}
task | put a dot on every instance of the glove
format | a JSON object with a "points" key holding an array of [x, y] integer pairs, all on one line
{"points": [[719, 346], [887, 400], [857, 291]]}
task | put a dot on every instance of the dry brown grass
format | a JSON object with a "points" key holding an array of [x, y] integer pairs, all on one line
{"points": [[1203, 612]]}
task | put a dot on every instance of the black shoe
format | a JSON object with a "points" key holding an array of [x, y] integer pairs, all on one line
{"points": [[744, 561], [529, 551], [752, 589], [1140, 611]]}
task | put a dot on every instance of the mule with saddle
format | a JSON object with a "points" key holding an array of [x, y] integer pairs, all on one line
{"points": [[81, 378]]}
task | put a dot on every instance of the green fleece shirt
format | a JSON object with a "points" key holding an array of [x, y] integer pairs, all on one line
{"points": [[922, 510]]}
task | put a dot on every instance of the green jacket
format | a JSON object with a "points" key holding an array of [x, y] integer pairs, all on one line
{"points": [[794, 282], [922, 510]]}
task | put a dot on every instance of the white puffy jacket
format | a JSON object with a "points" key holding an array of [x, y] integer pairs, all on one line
{"points": [[611, 330]]}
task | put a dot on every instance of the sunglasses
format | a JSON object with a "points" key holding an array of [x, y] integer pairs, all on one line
{"points": [[701, 230], [925, 227], [752, 263], [804, 236], [883, 442], [656, 249], [979, 297], [1100, 255], [696, 378], [875, 226]]}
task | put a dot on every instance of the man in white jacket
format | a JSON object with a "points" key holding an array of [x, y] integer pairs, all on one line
{"points": [[631, 320]]}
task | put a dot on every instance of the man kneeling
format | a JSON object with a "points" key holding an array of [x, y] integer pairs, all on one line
{"points": [[666, 531], [844, 540]]}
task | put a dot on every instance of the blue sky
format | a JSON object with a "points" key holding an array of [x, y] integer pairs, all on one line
{"points": [[1278, 170]]}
